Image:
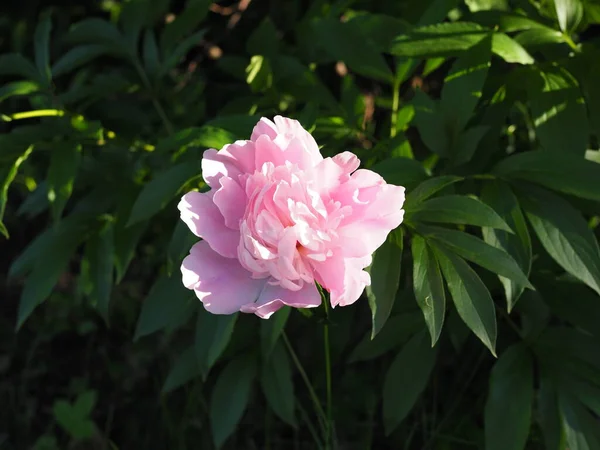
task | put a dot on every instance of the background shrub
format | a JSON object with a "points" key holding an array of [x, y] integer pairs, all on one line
{"points": [[488, 111]]}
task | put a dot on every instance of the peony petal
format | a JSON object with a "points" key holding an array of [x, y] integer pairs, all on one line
{"points": [[273, 298], [231, 201], [204, 219], [344, 278], [232, 161], [220, 283], [264, 126]]}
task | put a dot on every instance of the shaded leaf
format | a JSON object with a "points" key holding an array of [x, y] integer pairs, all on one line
{"points": [[41, 46], [401, 171], [64, 164], [428, 188], [213, 333], [270, 330], [429, 287], [100, 253], [185, 368], [6, 182], [277, 385], [77, 57]]}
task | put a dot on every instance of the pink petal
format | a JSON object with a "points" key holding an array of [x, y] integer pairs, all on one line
{"points": [[273, 298], [231, 201], [232, 160], [264, 126], [220, 283], [204, 219], [344, 278]]}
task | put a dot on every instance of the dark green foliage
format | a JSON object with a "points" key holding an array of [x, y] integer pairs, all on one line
{"points": [[481, 328]]}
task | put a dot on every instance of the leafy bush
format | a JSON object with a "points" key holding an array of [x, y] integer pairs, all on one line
{"points": [[488, 113]]}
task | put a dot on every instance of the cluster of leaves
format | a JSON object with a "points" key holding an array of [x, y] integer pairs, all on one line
{"points": [[489, 115]]}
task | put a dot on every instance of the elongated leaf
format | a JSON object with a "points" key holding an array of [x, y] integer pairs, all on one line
{"points": [[569, 14], [403, 387], [18, 88], [510, 50], [560, 171], [535, 38], [470, 296], [101, 32], [399, 329], [161, 190], [213, 333], [509, 402], [171, 59], [385, 279], [518, 244], [401, 171], [457, 209], [429, 188], [77, 57], [179, 246], [46, 259], [186, 22], [549, 415], [16, 64], [167, 301], [564, 234], [431, 123], [230, 397], [579, 426], [277, 385], [443, 39], [559, 115], [429, 287], [6, 182], [100, 253], [344, 42], [150, 52], [463, 85], [185, 368], [506, 21], [206, 136], [270, 330], [380, 29], [42, 46], [64, 164]]}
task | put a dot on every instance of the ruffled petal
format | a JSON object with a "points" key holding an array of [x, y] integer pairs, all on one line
{"points": [[231, 200], [204, 219], [222, 284], [273, 298], [232, 161]]}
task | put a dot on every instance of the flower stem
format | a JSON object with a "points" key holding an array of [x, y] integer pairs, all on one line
{"points": [[329, 422], [311, 391]]}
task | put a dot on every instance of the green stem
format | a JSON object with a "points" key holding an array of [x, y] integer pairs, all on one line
{"points": [[395, 107], [329, 423], [155, 102], [31, 114], [571, 43], [307, 382]]}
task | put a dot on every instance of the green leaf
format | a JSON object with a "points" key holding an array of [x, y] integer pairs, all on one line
{"points": [[171, 59], [429, 287], [443, 39], [379, 29], [47, 258], [559, 113], [150, 54], [564, 234], [166, 303], [100, 32], [16, 64], [457, 209], [535, 38], [64, 164], [510, 50], [579, 426], [77, 57], [471, 297], [463, 85], [77, 425], [264, 40], [206, 136], [41, 46], [505, 21], [185, 368], [270, 330], [18, 88], [179, 246], [560, 171], [398, 330], [6, 182], [259, 74], [160, 191], [277, 385], [509, 402], [518, 244], [431, 123], [467, 143], [186, 22], [569, 14], [230, 397], [344, 42], [85, 403], [385, 279], [402, 387], [429, 188], [100, 252], [401, 171], [549, 416], [470, 247], [213, 333]]}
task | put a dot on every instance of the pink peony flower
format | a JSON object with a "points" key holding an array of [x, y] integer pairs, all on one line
{"points": [[278, 218]]}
